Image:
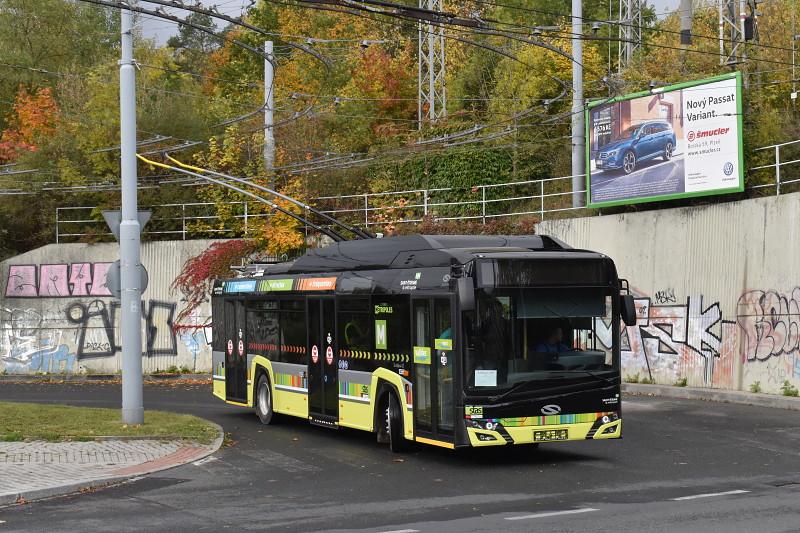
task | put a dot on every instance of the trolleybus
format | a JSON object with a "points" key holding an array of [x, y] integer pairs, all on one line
{"points": [[452, 341]]}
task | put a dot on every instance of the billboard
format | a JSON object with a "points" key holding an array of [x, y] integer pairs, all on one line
{"points": [[670, 142]]}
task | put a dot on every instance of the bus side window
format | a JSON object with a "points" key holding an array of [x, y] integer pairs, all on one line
{"points": [[217, 324], [262, 333], [353, 325], [293, 331]]}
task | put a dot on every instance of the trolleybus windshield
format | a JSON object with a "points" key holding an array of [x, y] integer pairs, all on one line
{"points": [[532, 334]]}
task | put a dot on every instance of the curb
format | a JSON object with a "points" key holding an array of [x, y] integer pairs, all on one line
{"points": [[93, 484], [773, 401], [82, 378]]}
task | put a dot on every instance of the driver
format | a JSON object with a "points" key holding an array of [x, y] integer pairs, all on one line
{"points": [[554, 342]]}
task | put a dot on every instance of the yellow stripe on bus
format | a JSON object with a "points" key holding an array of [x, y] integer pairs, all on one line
{"points": [[435, 442]]}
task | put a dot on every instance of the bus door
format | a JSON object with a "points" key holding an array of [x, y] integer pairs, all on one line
{"points": [[323, 386], [235, 351], [434, 361]]}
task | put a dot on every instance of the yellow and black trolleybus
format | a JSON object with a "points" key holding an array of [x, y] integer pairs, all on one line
{"points": [[453, 341]]}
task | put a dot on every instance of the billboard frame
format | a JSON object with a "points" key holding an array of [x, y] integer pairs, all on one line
{"points": [[668, 88]]}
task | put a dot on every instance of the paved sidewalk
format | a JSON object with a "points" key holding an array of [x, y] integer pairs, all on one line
{"points": [[773, 401], [34, 470]]}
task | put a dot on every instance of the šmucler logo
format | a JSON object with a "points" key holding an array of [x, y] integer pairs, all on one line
{"points": [[692, 135]]}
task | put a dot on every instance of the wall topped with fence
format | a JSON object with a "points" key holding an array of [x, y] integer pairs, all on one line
{"points": [[775, 171]]}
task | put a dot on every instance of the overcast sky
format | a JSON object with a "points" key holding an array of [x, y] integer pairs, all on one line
{"points": [[161, 30]]}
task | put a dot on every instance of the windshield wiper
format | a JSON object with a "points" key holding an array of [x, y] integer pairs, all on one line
{"points": [[514, 389], [594, 375]]}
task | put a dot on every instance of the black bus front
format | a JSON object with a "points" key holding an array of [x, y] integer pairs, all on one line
{"points": [[541, 355]]}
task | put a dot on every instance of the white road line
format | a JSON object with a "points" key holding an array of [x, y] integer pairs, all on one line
{"points": [[553, 513], [402, 531], [710, 495]]}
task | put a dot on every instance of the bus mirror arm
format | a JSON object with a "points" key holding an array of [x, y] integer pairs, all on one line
{"points": [[627, 309], [466, 294], [207, 333]]}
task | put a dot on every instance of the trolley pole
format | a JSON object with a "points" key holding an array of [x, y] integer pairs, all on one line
{"points": [[129, 234], [578, 134], [269, 107]]}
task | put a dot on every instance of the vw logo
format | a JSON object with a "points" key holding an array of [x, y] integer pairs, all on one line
{"points": [[551, 409], [728, 169]]}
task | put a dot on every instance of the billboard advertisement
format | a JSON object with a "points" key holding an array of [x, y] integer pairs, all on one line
{"points": [[670, 142]]}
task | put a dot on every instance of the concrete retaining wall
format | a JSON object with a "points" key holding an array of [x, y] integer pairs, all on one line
{"points": [[57, 315], [718, 289]]}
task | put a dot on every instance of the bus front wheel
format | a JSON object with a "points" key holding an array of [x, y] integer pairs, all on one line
{"points": [[393, 421], [263, 402]]}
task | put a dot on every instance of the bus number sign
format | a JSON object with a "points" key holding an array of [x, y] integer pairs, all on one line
{"points": [[314, 354]]}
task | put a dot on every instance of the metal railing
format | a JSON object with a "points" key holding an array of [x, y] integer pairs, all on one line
{"points": [[778, 168], [778, 165], [173, 221], [542, 197]]}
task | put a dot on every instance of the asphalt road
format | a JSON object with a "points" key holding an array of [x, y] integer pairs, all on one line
{"points": [[683, 466], [652, 178]]}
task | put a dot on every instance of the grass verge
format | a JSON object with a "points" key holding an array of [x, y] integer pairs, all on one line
{"points": [[21, 421]]}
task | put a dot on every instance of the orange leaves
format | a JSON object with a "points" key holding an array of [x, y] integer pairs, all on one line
{"points": [[34, 116]]}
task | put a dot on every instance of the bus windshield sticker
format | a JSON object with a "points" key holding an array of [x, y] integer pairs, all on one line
{"points": [[443, 344], [486, 378], [473, 411], [380, 334], [269, 285], [316, 284], [422, 355], [240, 286]]}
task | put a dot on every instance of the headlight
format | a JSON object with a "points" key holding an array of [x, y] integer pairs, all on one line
{"points": [[612, 153]]}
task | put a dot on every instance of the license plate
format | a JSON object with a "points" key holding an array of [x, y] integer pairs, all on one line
{"points": [[599, 163], [550, 435]]}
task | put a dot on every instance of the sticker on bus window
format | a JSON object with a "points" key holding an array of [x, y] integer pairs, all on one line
{"points": [[486, 378], [380, 334], [443, 344], [422, 355]]}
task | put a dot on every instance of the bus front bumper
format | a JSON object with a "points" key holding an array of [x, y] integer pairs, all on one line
{"points": [[494, 432]]}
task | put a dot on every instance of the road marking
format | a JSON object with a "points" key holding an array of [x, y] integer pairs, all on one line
{"points": [[553, 513], [205, 460], [710, 495], [402, 531]]}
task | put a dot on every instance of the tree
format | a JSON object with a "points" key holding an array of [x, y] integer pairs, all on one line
{"points": [[192, 46], [35, 116]]}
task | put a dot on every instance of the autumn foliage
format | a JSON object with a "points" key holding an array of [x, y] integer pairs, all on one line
{"points": [[34, 116], [198, 273]]}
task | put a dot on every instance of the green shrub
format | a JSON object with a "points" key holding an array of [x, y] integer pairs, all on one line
{"points": [[632, 379], [681, 382], [787, 389], [755, 387]]}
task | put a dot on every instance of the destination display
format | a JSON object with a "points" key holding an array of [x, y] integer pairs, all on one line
{"points": [[670, 142]]}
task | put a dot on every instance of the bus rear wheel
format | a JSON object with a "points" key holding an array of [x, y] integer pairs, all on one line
{"points": [[393, 420], [263, 400]]}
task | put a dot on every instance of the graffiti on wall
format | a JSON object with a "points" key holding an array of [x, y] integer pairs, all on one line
{"points": [[55, 342], [27, 345], [95, 323], [57, 280], [672, 341], [770, 322]]}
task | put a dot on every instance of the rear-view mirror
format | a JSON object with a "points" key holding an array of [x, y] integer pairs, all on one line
{"points": [[207, 332], [627, 309], [466, 294]]}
